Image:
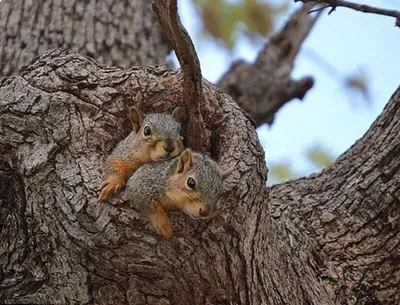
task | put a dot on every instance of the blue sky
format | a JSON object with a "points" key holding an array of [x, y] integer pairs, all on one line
{"points": [[329, 115]]}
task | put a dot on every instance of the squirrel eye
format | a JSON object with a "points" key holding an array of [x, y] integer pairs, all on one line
{"points": [[191, 183], [146, 131]]}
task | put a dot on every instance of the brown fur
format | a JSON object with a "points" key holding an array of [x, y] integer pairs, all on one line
{"points": [[159, 219], [178, 196], [113, 184], [159, 187], [121, 167], [138, 149]]}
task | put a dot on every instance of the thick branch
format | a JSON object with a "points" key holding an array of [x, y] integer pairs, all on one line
{"points": [[263, 87], [58, 123], [331, 238], [179, 39], [344, 222], [358, 7]]}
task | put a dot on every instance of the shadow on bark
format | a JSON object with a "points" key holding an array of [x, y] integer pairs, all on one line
{"points": [[330, 238]]}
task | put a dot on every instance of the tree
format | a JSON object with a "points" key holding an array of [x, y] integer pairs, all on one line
{"points": [[114, 33], [331, 238]]}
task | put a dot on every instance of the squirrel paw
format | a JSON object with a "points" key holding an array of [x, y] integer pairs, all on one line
{"points": [[165, 229], [162, 224], [159, 219], [112, 185]]}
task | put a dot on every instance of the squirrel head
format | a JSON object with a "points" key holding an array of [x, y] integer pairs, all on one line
{"points": [[159, 134], [195, 185]]}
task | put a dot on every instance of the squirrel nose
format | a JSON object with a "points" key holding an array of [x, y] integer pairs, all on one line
{"points": [[204, 211], [169, 145]]}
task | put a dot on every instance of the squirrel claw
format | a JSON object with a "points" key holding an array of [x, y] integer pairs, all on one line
{"points": [[103, 185], [111, 186]]}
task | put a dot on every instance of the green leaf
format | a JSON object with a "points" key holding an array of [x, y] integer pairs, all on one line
{"points": [[224, 20], [257, 17], [280, 172], [319, 157], [219, 19]]}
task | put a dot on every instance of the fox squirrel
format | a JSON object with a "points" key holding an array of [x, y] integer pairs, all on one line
{"points": [[191, 182], [155, 137]]}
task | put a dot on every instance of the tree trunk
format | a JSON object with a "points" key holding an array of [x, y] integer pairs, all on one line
{"points": [[332, 238], [115, 33]]}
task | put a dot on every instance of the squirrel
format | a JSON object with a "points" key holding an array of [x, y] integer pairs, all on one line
{"points": [[155, 137], [191, 182]]}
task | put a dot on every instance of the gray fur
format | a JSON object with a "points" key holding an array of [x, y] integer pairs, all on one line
{"points": [[149, 181], [208, 178], [164, 124], [123, 150]]}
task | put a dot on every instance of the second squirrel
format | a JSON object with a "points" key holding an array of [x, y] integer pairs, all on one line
{"points": [[155, 137], [191, 183]]}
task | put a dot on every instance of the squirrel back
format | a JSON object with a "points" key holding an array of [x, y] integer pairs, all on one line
{"points": [[191, 183], [148, 182]]}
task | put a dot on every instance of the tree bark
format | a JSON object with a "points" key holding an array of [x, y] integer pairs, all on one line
{"points": [[124, 34], [263, 87], [332, 238], [179, 39], [115, 33]]}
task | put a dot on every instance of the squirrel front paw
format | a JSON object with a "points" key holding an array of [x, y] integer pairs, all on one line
{"points": [[160, 221], [112, 185], [165, 229]]}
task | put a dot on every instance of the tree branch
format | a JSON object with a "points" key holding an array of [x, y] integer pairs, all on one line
{"points": [[327, 239], [82, 106], [358, 7], [173, 30], [263, 87], [350, 214]]}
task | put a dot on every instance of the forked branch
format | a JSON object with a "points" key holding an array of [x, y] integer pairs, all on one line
{"points": [[358, 7], [264, 86], [177, 36]]}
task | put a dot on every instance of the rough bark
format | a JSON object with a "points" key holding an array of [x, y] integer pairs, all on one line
{"points": [[123, 34], [349, 216], [332, 238], [264, 86], [115, 33], [179, 39]]}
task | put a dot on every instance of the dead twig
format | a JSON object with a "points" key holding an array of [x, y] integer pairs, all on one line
{"points": [[318, 9], [358, 7]]}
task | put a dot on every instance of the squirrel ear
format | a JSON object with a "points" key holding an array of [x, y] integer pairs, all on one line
{"points": [[185, 162], [136, 117], [178, 114]]}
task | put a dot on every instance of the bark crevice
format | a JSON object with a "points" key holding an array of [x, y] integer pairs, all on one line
{"points": [[323, 239]]}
